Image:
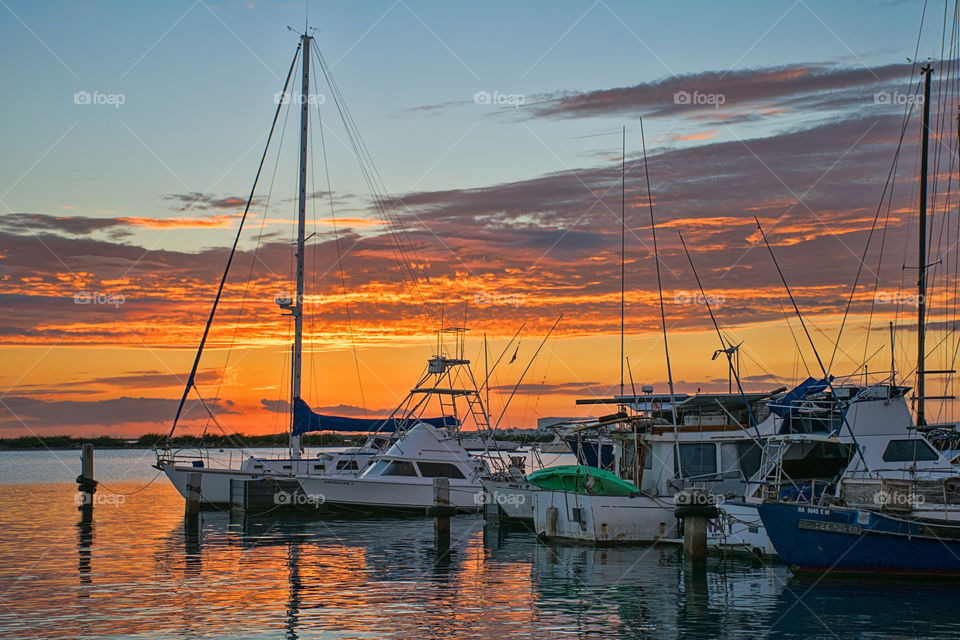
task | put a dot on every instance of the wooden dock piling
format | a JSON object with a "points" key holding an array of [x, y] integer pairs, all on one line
{"points": [[86, 485], [695, 507], [441, 511], [191, 507]]}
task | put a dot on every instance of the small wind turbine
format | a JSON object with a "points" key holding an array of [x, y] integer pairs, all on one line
{"points": [[733, 355]]}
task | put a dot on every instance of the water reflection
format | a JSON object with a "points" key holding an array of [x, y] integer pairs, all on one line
{"points": [[140, 570], [84, 543]]}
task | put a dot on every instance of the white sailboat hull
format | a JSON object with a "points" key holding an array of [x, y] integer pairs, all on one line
{"points": [[215, 482]]}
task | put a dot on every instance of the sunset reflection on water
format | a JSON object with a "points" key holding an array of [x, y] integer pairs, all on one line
{"points": [[139, 571]]}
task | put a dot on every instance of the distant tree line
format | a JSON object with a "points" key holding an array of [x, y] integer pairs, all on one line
{"points": [[150, 440]]}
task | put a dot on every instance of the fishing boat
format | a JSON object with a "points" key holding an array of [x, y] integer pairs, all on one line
{"points": [[402, 477], [657, 459]]}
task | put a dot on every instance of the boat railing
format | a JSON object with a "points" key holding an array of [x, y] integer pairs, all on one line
{"points": [[814, 492], [198, 457]]}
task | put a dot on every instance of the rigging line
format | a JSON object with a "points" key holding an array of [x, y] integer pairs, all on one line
{"points": [[883, 236], [793, 335], [193, 372], [656, 260], [312, 326], [256, 251], [866, 248], [233, 439], [792, 300], [803, 324], [728, 349], [623, 233], [363, 160], [378, 191], [529, 364], [493, 369]]}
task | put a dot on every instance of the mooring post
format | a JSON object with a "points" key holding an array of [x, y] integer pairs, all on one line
{"points": [[191, 507], [695, 507], [86, 485], [441, 509]]}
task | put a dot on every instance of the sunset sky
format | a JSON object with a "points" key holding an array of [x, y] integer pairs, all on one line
{"points": [[496, 131]]}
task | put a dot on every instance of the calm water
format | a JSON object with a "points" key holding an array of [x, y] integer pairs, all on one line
{"points": [[137, 572]]}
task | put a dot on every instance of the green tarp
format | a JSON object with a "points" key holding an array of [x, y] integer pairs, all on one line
{"points": [[581, 479]]}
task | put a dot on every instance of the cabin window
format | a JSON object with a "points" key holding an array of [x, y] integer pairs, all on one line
{"points": [[400, 468], [349, 465], [440, 470], [748, 458], [377, 468], [318, 467], [697, 460], [914, 450]]}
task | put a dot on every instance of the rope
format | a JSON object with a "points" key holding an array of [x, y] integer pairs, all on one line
{"points": [[130, 493]]}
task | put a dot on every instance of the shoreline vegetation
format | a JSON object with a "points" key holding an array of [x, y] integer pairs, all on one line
{"points": [[233, 441]]}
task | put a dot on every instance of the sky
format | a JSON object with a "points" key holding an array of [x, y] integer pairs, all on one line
{"points": [[133, 131]]}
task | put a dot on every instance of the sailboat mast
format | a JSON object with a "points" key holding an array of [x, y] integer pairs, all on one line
{"points": [[623, 233], [927, 71], [301, 229]]}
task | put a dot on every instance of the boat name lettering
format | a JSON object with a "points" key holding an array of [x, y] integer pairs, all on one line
{"points": [[830, 527]]}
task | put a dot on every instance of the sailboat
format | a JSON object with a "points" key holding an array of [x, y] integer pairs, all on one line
{"points": [[198, 473], [900, 513]]}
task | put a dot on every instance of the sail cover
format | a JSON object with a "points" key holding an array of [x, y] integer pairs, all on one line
{"points": [[809, 386], [305, 421]]}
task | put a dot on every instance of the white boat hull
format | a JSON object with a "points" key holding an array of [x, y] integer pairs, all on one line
{"points": [[642, 520], [414, 494], [215, 482], [513, 498], [602, 519]]}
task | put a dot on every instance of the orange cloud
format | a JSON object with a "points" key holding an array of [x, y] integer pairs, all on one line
{"points": [[705, 135]]}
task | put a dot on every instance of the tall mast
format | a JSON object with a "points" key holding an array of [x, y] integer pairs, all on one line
{"points": [[623, 232], [301, 224], [926, 70], [663, 317]]}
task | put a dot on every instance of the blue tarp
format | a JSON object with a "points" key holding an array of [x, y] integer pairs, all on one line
{"points": [[810, 385], [305, 421]]}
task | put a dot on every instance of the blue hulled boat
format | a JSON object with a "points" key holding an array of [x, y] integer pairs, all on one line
{"points": [[820, 539]]}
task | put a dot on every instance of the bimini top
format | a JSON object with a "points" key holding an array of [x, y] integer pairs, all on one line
{"points": [[581, 479]]}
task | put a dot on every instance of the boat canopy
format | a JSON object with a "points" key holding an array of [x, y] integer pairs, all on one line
{"points": [[809, 386], [581, 479], [306, 420]]}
